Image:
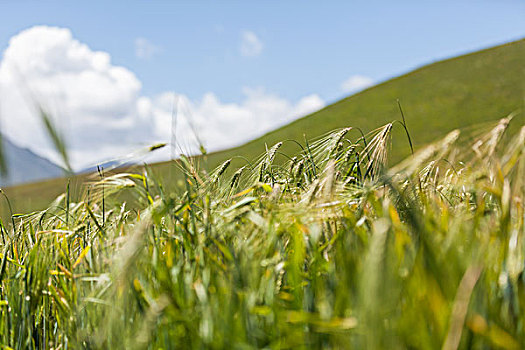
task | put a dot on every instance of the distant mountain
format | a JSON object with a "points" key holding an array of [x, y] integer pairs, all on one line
{"points": [[25, 166], [107, 165]]}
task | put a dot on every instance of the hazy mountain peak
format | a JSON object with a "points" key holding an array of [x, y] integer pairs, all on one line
{"points": [[25, 166]]}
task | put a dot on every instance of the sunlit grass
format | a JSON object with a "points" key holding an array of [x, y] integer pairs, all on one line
{"points": [[327, 249]]}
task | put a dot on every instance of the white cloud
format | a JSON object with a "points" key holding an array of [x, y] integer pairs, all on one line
{"points": [[251, 45], [100, 109], [220, 125], [356, 83], [144, 49], [92, 100]]}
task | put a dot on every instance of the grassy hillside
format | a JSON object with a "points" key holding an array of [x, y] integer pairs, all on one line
{"points": [[437, 98]]}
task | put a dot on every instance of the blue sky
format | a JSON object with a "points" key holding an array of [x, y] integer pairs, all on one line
{"points": [[307, 47], [246, 54]]}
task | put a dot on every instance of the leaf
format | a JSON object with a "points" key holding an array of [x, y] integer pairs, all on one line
{"points": [[56, 138], [241, 203], [81, 256]]}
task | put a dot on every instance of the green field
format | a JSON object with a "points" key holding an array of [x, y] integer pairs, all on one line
{"points": [[459, 92], [331, 249]]}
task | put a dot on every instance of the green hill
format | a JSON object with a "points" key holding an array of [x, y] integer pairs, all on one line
{"points": [[455, 93]]}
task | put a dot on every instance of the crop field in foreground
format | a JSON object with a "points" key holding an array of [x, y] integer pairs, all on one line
{"points": [[328, 248]]}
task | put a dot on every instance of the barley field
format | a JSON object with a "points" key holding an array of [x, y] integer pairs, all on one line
{"points": [[328, 248]]}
